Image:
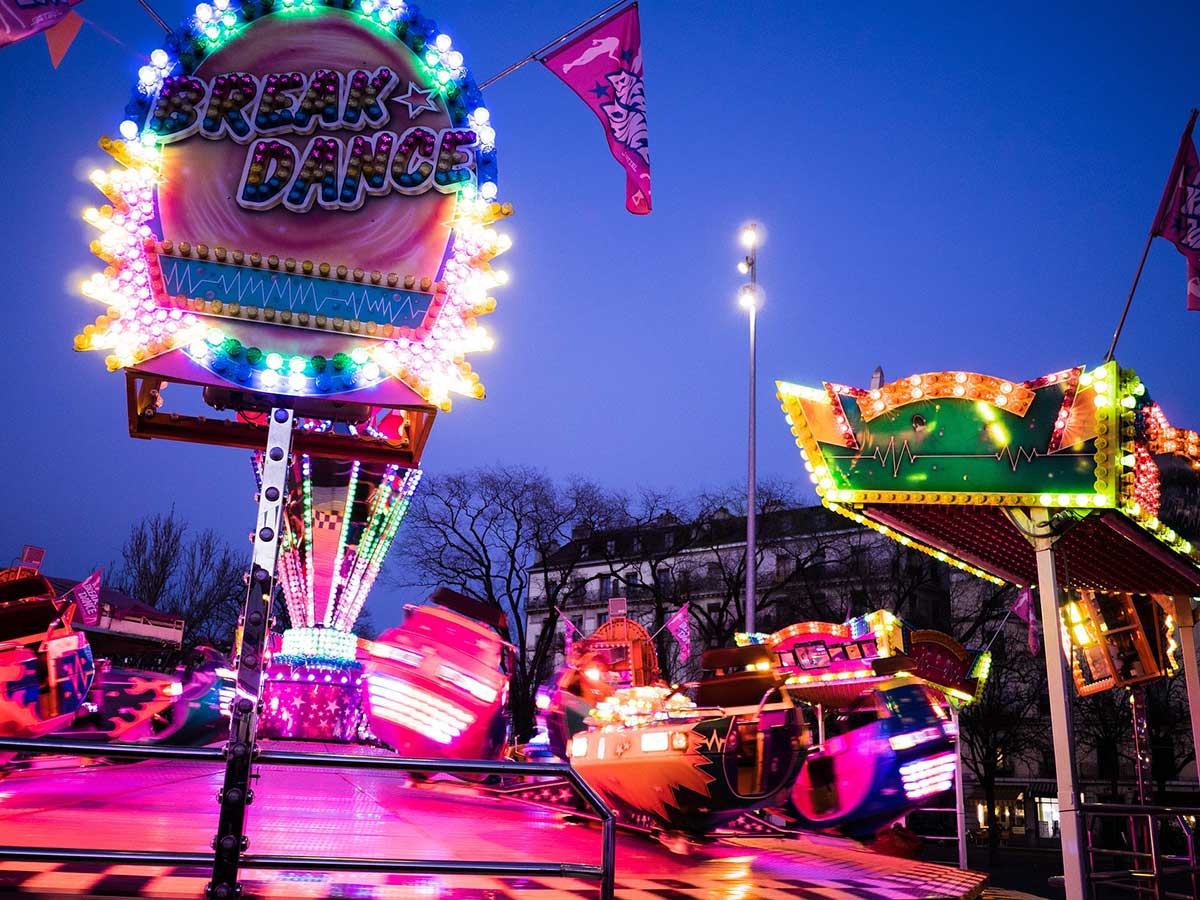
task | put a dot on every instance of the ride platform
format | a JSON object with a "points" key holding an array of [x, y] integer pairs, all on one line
{"points": [[169, 806]]}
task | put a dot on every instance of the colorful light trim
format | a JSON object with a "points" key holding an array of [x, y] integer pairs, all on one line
{"points": [[928, 776], [326, 644], [413, 707], [141, 322], [363, 543], [1007, 395]]}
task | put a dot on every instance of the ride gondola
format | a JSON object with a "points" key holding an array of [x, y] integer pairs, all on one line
{"points": [[689, 763]]}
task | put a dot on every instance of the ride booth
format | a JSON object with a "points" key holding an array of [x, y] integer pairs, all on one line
{"points": [[1050, 483]]}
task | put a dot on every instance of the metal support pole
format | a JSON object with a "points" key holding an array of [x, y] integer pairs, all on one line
{"points": [[1141, 742], [1070, 820], [1186, 622], [235, 795], [960, 803], [821, 724], [750, 300]]}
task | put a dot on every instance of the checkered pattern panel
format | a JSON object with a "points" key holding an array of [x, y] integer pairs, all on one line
{"points": [[86, 880]]}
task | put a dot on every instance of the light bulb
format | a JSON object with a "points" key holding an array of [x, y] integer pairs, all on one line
{"points": [[750, 237], [744, 267], [443, 42]]}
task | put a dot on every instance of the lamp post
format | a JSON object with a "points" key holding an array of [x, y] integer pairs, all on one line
{"points": [[750, 299]]}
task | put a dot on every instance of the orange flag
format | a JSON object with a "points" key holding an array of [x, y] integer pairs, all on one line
{"points": [[60, 36]]}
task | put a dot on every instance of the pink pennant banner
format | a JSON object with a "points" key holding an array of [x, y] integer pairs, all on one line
{"points": [[1178, 218], [604, 67], [87, 598], [680, 626], [1024, 610], [20, 19]]}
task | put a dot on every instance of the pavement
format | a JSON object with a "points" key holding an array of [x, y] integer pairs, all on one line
{"points": [[170, 806]]}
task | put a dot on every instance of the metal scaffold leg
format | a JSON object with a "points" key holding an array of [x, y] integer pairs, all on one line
{"points": [[230, 841]]}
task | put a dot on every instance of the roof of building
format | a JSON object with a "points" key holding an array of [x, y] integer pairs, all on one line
{"points": [[122, 604], [669, 535]]}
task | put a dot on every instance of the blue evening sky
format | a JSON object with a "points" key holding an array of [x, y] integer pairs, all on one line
{"points": [[943, 187]]}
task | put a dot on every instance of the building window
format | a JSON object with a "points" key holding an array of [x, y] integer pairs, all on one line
{"points": [[669, 539], [611, 547], [633, 581], [1047, 813], [712, 570], [578, 589], [605, 587], [584, 550], [666, 578], [784, 565]]}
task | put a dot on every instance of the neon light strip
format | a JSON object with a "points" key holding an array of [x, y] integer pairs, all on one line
{"points": [[335, 577], [306, 468]]}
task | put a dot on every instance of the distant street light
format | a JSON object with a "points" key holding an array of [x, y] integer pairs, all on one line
{"points": [[750, 299]]}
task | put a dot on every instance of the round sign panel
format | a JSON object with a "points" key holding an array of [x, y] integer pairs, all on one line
{"points": [[305, 206]]}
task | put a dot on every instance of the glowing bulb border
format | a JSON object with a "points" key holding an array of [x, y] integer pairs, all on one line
{"points": [[134, 328]]}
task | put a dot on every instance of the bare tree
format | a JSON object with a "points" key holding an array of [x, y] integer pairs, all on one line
{"points": [[196, 576], [1005, 724], [481, 533]]}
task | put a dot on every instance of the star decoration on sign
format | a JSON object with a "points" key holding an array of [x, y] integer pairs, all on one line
{"points": [[600, 90], [417, 100]]}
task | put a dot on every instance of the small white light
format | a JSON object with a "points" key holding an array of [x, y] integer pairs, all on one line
{"points": [[750, 237], [129, 129], [481, 115], [443, 42], [159, 58], [487, 190]]}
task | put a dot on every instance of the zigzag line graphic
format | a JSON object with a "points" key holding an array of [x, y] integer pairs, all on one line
{"points": [[1014, 460], [295, 294], [893, 458], [898, 457]]}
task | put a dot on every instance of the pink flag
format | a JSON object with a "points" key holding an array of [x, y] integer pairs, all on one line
{"points": [[20, 19], [1024, 610], [604, 67], [87, 598], [1178, 218], [680, 626]]}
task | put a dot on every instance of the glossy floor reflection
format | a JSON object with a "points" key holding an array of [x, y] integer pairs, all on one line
{"points": [[327, 812]]}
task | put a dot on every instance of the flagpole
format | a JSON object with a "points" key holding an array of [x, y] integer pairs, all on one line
{"points": [[1112, 348], [554, 43], [155, 16]]}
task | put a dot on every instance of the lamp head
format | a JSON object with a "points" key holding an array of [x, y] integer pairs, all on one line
{"points": [[750, 297]]}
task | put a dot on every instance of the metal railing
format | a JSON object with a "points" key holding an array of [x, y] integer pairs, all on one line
{"points": [[605, 873], [1146, 865]]}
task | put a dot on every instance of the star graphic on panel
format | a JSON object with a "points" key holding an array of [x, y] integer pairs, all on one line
{"points": [[600, 90], [417, 100], [627, 56]]}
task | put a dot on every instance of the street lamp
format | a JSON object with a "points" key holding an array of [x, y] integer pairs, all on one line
{"points": [[750, 299]]}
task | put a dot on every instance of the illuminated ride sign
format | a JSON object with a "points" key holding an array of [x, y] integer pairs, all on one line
{"points": [[304, 208], [940, 461]]}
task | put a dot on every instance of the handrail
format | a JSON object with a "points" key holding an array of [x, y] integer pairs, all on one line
{"points": [[1149, 865], [605, 872]]}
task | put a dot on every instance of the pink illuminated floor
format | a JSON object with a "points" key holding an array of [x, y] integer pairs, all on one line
{"points": [[324, 812]]}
